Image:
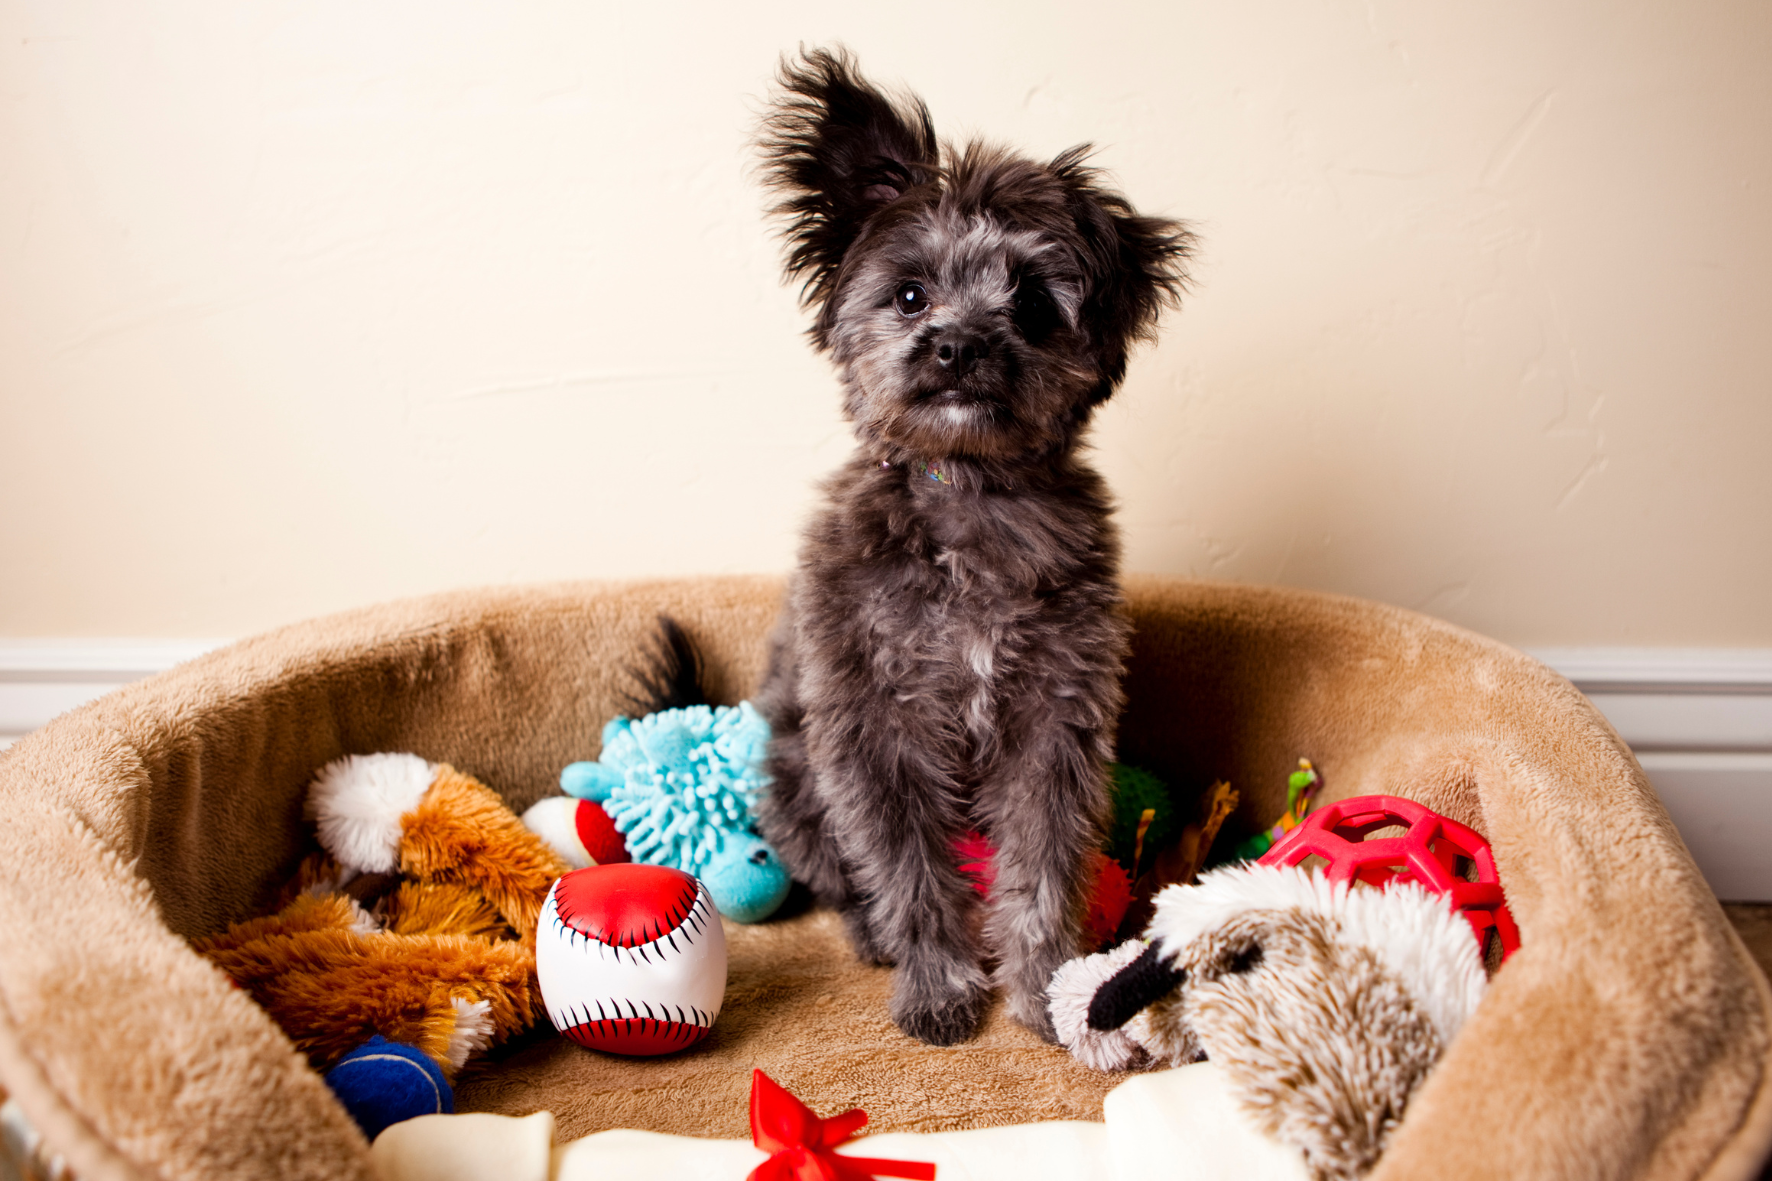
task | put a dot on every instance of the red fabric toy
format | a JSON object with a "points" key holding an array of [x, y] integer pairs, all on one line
{"points": [[1108, 897]]}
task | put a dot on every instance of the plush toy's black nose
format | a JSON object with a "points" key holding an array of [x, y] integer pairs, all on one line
{"points": [[959, 351], [1142, 982]]}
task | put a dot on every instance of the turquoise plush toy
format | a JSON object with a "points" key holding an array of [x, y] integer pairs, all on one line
{"points": [[682, 785]]}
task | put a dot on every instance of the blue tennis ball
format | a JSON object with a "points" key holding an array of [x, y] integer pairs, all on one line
{"points": [[383, 1082]]}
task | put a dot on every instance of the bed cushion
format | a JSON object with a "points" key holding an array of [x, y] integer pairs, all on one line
{"points": [[1627, 1038]]}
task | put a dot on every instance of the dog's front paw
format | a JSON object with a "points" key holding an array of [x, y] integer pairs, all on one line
{"points": [[1033, 1010], [939, 1001], [1024, 981], [940, 1020]]}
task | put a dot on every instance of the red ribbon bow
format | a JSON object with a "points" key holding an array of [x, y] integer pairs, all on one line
{"points": [[801, 1146]]}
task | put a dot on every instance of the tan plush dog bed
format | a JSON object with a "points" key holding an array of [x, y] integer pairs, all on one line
{"points": [[1627, 1038]]}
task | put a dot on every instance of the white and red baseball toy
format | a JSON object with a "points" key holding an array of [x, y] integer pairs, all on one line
{"points": [[631, 958]]}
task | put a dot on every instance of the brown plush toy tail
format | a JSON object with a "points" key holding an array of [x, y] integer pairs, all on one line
{"points": [[431, 962], [461, 832], [430, 822]]}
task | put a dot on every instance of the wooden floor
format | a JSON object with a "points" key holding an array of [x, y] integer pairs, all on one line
{"points": [[1754, 921]]}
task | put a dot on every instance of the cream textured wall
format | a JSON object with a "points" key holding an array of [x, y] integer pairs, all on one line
{"points": [[309, 304]]}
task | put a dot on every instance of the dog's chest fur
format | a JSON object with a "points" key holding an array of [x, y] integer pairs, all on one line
{"points": [[957, 598]]}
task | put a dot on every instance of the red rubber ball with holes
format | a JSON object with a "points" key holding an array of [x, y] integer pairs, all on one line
{"points": [[631, 958], [1435, 852]]}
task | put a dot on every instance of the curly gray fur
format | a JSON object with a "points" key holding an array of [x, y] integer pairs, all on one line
{"points": [[951, 650]]}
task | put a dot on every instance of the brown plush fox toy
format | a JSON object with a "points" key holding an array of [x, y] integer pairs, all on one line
{"points": [[417, 922]]}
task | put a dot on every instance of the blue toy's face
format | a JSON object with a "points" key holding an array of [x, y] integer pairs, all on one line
{"points": [[680, 785], [746, 879]]}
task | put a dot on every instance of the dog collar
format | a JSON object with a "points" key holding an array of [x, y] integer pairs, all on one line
{"points": [[931, 471]]}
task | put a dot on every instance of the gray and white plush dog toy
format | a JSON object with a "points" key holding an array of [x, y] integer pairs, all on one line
{"points": [[1325, 1005]]}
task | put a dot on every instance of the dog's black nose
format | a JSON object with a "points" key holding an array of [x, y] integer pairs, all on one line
{"points": [[960, 352]]}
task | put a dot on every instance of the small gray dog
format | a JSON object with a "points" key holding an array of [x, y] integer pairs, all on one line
{"points": [[951, 651]]}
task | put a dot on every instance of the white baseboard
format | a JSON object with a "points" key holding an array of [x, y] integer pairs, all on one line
{"points": [[1655, 670], [43, 678], [1720, 803], [1699, 720], [1676, 699]]}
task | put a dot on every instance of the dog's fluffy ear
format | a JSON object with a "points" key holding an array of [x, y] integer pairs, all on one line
{"points": [[838, 150], [1136, 266]]}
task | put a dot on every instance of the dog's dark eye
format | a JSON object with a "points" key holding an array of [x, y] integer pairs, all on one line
{"points": [[911, 300], [1035, 314]]}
